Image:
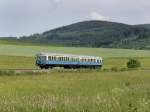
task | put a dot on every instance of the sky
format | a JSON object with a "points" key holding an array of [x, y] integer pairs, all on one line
{"points": [[26, 17]]}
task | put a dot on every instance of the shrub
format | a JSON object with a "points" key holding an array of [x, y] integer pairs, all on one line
{"points": [[7, 73], [115, 69], [133, 63], [123, 69], [127, 83], [105, 69]]}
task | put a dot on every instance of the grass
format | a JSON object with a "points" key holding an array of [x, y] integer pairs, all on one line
{"points": [[76, 92], [121, 62], [30, 51], [20, 56], [21, 62], [71, 90], [2, 41], [17, 62]]}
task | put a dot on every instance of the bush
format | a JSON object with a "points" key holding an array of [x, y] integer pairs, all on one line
{"points": [[7, 73], [133, 63], [123, 69], [115, 69], [105, 69]]}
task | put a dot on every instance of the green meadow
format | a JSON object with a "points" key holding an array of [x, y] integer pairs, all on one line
{"points": [[22, 56], [20, 50], [76, 91], [21, 62], [60, 90]]}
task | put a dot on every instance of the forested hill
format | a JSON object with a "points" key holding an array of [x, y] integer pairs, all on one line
{"points": [[144, 26], [96, 34]]}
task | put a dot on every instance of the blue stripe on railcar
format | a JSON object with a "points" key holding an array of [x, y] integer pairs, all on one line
{"points": [[45, 62]]}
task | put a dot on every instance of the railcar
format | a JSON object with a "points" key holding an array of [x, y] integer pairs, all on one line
{"points": [[68, 61]]}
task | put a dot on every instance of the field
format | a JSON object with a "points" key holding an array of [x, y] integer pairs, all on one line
{"points": [[30, 51], [61, 90], [21, 62], [17, 56], [76, 91]]}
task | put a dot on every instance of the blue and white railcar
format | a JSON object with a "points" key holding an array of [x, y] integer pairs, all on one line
{"points": [[50, 60]]}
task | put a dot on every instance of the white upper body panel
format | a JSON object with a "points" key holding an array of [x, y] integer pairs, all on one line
{"points": [[67, 55]]}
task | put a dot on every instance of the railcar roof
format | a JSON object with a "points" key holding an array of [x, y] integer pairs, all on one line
{"points": [[71, 55]]}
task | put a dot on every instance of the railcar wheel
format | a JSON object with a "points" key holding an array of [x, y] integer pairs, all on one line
{"points": [[46, 67], [41, 67]]}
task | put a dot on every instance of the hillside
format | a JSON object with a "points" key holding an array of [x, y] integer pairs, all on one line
{"points": [[144, 26], [95, 34]]}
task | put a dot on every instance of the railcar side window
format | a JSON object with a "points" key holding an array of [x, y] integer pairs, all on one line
{"points": [[89, 60], [63, 59], [60, 59], [100, 61], [97, 61], [92, 60], [54, 58], [49, 58]]}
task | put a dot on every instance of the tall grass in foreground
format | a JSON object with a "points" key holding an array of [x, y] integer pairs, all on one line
{"points": [[74, 91]]}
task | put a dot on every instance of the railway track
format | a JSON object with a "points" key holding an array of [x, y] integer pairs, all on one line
{"points": [[44, 70], [32, 70], [25, 70], [19, 69]]}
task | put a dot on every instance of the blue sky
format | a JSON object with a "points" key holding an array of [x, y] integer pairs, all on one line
{"points": [[25, 17]]}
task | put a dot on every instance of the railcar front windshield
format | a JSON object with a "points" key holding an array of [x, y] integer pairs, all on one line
{"points": [[41, 57]]}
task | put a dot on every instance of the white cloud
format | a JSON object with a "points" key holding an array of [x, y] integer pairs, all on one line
{"points": [[24, 17], [57, 1], [97, 16]]}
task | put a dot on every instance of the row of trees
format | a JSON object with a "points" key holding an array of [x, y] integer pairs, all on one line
{"points": [[93, 34]]}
